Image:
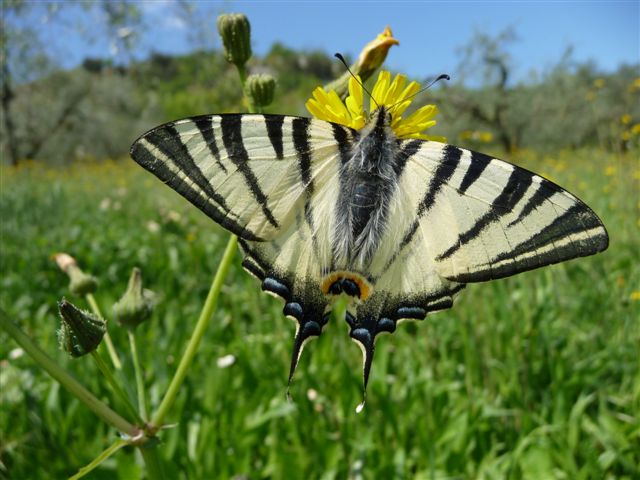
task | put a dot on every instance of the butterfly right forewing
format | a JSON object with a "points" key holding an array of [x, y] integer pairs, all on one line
{"points": [[483, 218]]}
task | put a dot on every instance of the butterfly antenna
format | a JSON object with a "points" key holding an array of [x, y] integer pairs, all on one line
{"points": [[444, 76], [344, 62]]}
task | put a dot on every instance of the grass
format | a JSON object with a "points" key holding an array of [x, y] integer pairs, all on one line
{"points": [[534, 376]]}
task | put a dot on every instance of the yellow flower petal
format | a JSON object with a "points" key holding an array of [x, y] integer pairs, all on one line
{"points": [[392, 93]]}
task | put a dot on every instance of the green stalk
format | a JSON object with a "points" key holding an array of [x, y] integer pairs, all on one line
{"points": [[113, 354], [152, 461], [198, 333], [67, 381], [242, 73], [117, 445], [142, 404], [117, 389]]}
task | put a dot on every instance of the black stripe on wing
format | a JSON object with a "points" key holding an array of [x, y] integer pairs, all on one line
{"points": [[545, 191], [167, 141], [448, 164], [274, 131], [300, 132], [408, 148], [479, 162], [590, 237], [205, 125], [517, 185], [231, 126]]}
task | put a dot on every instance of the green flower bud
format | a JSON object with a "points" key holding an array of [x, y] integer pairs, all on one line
{"points": [[81, 283], [235, 30], [260, 89], [80, 332], [136, 304]]}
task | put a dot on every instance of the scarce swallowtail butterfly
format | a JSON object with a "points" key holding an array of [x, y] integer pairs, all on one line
{"points": [[398, 225]]}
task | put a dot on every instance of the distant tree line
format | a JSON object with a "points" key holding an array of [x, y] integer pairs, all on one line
{"points": [[97, 109]]}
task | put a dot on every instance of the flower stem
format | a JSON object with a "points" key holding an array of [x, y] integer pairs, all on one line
{"points": [[198, 333], [62, 376], [142, 404], [152, 461], [242, 73], [117, 445], [113, 354], [104, 368]]}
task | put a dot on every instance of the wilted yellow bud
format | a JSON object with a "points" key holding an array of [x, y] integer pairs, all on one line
{"points": [[81, 283], [371, 58], [375, 52]]}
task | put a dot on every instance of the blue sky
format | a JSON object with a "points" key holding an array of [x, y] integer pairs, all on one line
{"points": [[430, 33]]}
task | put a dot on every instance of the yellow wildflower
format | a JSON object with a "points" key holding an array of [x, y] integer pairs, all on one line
{"points": [[394, 94], [635, 85], [477, 135], [625, 119], [635, 295], [598, 82]]}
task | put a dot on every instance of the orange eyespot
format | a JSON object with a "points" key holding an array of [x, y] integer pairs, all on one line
{"points": [[351, 283]]}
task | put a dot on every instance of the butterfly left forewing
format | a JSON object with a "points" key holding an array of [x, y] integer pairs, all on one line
{"points": [[249, 173]]}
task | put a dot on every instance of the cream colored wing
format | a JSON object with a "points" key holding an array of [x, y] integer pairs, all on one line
{"points": [[250, 173]]}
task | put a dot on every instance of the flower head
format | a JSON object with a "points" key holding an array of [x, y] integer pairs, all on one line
{"points": [[235, 30], [394, 94], [80, 332], [136, 305]]}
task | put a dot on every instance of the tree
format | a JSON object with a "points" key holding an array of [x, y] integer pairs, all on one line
{"points": [[485, 58], [24, 58]]}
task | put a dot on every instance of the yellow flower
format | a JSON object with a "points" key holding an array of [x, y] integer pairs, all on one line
{"points": [[598, 82], [476, 135], [392, 94], [625, 119]]}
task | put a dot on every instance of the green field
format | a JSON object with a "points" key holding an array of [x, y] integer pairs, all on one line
{"points": [[535, 376]]}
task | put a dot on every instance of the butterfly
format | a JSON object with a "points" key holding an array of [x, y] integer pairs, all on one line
{"points": [[398, 226]]}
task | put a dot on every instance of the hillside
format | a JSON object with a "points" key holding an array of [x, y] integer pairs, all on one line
{"points": [[97, 110]]}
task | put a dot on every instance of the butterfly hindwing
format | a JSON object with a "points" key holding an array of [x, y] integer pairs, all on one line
{"points": [[289, 267]]}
